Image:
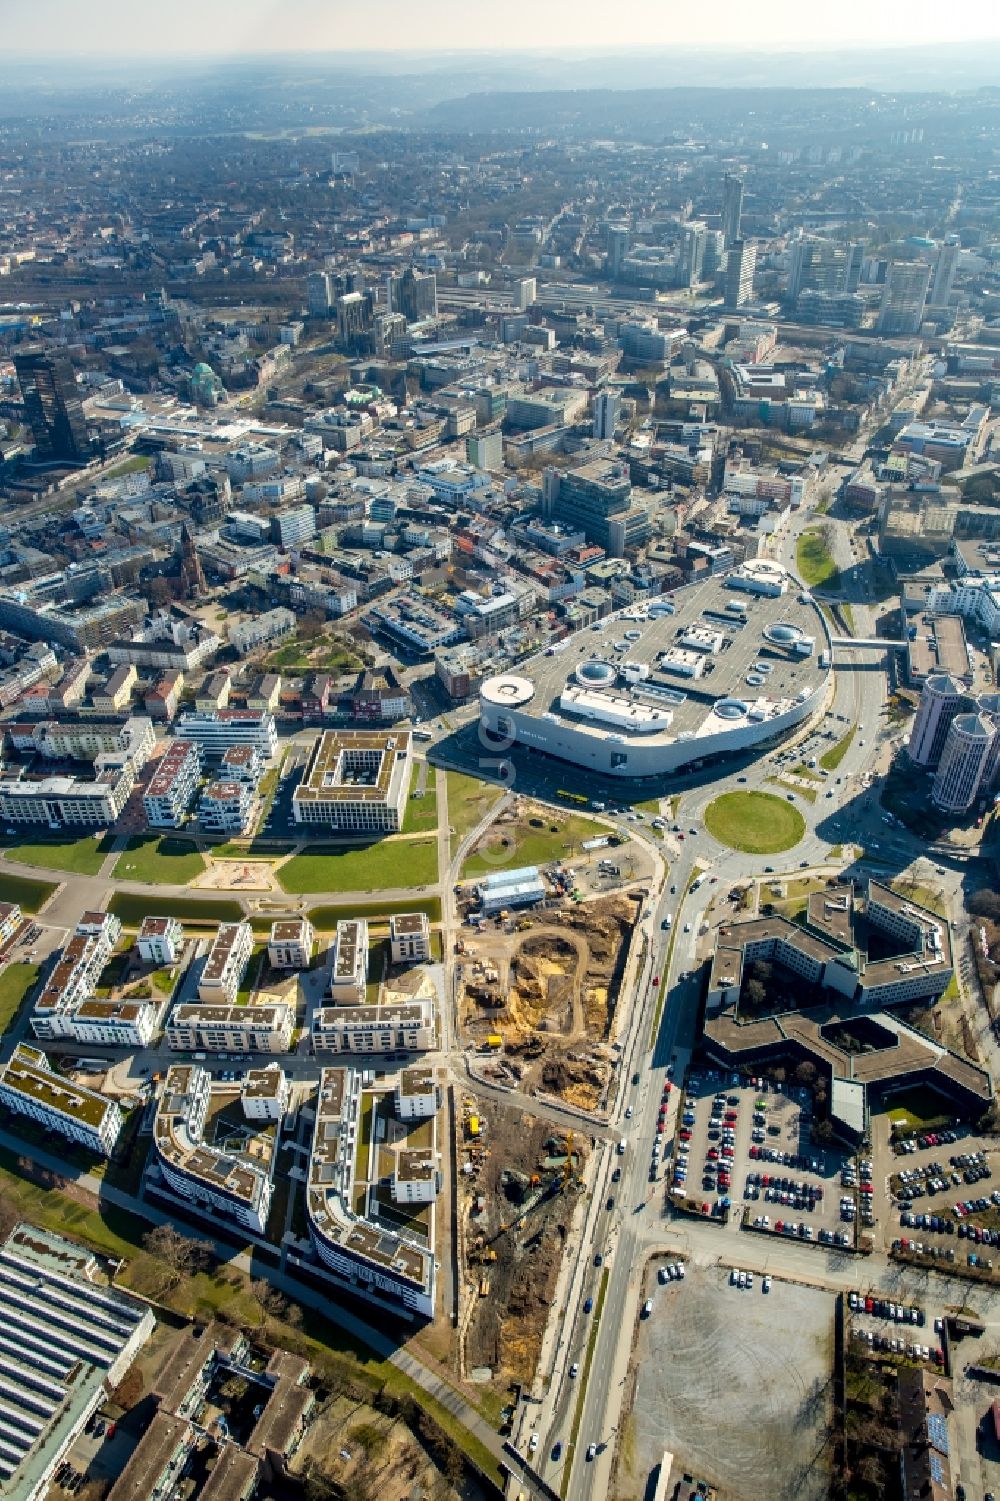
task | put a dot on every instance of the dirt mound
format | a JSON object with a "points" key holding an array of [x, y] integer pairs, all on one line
{"points": [[580, 1081]]}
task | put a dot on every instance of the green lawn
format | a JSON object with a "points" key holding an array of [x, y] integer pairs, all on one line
{"points": [[159, 860], [129, 466], [325, 918], [373, 867], [832, 758], [758, 823], [809, 793], [15, 982], [556, 836], [915, 1109], [815, 565], [469, 800], [422, 812], [29, 895], [81, 857], [132, 907], [925, 896]]}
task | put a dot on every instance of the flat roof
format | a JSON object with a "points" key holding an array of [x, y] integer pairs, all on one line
{"points": [[687, 702], [330, 766], [28, 1074]]}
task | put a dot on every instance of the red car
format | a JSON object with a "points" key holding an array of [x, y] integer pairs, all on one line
{"points": [[712, 1154], [685, 1134]]}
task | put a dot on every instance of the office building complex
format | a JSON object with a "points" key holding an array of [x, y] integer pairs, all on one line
{"points": [[30, 1087], [355, 781], [692, 254], [53, 405], [596, 499], [901, 310], [817, 265]]}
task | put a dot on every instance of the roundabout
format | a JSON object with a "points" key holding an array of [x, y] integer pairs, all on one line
{"points": [[756, 823]]}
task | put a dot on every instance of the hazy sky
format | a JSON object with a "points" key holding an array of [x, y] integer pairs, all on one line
{"points": [[172, 27]]}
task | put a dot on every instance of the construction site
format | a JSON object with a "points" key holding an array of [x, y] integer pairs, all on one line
{"points": [[519, 1182], [538, 994]]}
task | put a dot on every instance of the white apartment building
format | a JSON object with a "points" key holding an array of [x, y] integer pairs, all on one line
{"points": [[373, 1029], [265, 1093], [73, 801], [112, 1024], [172, 785], [29, 1087], [410, 937], [294, 525], [227, 960], [349, 963], [216, 730], [371, 1260], [273, 625], [74, 975], [86, 739], [291, 942], [160, 940], [231, 1029], [355, 781], [236, 1187], [416, 1178], [242, 763], [418, 1096], [228, 808]]}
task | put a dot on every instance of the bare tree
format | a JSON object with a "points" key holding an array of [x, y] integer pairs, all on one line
{"points": [[181, 1254], [270, 1303]]}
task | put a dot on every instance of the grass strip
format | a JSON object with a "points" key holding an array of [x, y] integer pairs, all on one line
{"points": [[588, 1361], [832, 758]]}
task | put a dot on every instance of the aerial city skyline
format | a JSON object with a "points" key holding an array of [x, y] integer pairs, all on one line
{"points": [[499, 754]]}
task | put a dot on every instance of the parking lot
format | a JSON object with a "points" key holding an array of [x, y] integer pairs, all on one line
{"points": [[736, 1384], [750, 1143], [938, 1190]]}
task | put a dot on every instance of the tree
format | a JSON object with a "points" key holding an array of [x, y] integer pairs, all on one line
{"points": [[270, 1303], [312, 625], [806, 1072], [756, 994], [181, 1254]]}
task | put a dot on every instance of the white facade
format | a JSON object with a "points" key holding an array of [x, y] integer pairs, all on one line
{"points": [[273, 625], [410, 937], [160, 940], [291, 943], [418, 1096], [172, 785], [29, 1087], [228, 808], [226, 962], [231, 1029], [235, 1187], [216, 731], [374, 1029], [265, 1093], [349, 963]]}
